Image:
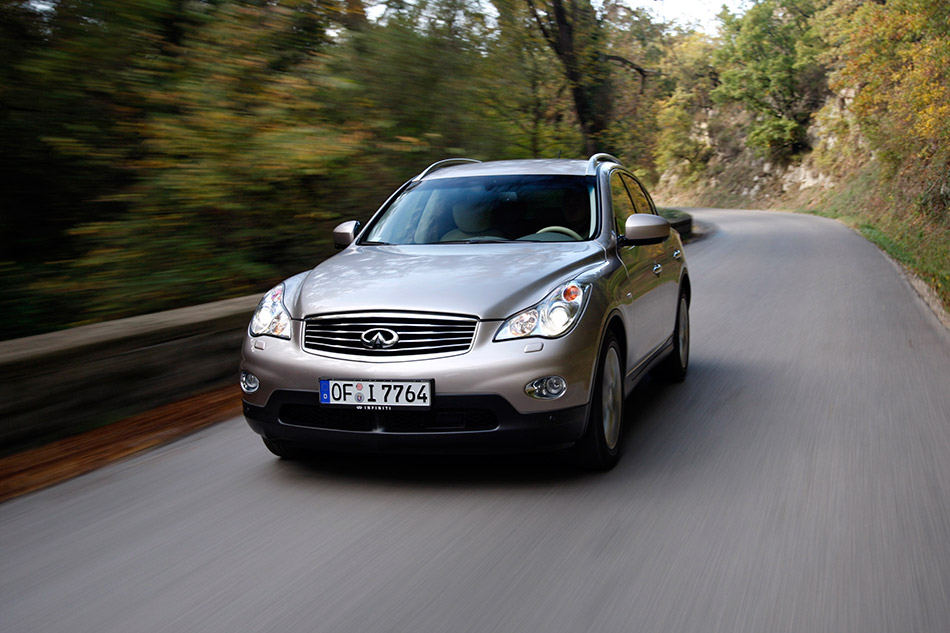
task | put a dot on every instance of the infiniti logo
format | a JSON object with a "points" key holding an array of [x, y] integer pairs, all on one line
{"points": [[379, 338]]}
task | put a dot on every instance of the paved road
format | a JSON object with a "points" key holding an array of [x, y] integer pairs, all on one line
{"points": [[798, 481]]}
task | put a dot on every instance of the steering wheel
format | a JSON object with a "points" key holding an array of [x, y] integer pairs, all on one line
{"points": [[561, 229]]}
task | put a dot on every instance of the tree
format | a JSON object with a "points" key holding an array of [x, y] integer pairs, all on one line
{"points": [[525, 90], [894, 59], [770, 63], [574, 32], [66, 91], [236, 151]]}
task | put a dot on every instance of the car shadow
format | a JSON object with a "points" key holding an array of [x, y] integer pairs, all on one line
{"points": [[438, 470], [480, 470]]}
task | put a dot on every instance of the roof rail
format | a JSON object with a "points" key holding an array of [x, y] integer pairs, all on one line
{"points": [[600, 158], [448, 162]]}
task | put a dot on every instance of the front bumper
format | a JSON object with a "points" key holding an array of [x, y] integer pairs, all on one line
{"points": [[479, 400], [501, 368], [464, 424]]}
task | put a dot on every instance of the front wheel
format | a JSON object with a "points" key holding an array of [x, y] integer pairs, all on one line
{"points": [[599, 449], [675, 365]]}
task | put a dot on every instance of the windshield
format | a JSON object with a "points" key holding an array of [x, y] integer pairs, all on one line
{"points": [[489, 209]]}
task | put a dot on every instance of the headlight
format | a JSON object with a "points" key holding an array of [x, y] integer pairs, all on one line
{"points": [[271, 318], [551, 318]]}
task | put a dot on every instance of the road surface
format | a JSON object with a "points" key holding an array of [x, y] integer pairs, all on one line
{"points": [[798, 481]]}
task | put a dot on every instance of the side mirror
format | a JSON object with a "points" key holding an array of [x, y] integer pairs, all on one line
{"points": [[642, 229], [345, 233]]}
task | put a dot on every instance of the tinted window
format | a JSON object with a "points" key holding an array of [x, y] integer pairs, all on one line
{"points": [[639, 196], [489, 208], [623, 207]]}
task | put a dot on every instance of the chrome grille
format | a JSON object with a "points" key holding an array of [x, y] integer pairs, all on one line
{"points": [[418, 334]]}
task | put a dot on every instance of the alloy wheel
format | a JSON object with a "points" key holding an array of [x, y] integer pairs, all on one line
{"points": [[612, 398], [683, 328]]}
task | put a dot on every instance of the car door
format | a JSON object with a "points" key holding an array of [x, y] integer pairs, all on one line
{"points": [[666, 263], [637, 293]]}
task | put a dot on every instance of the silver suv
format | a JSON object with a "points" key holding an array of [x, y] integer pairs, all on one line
{"points": [[507, 305]]}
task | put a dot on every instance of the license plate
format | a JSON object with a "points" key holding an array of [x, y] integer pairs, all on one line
{"points": [[381, 395]]}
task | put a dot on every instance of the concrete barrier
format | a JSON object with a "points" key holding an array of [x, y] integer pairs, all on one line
{"points": [[64, 382], [684, 225]]}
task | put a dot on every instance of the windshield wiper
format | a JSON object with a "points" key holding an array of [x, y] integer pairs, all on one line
{"points": [[474, 242]]}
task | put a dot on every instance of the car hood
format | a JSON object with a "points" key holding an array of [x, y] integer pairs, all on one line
{"points": [[489, 281]]}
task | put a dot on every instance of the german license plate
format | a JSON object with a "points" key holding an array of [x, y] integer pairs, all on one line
{"points": [[380, 395]]}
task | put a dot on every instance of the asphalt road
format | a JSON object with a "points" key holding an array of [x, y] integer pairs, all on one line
{"points": [[798, 481]]}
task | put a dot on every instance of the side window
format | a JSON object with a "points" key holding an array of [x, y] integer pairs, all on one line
{"points": [[623, 207], [638, 194]]}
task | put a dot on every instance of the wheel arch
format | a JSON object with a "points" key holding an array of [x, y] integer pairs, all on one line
{"points": [[615, 325], [686, 288]]}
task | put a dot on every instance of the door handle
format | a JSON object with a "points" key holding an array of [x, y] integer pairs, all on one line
{"points": [[677, 253], [657, 268]]}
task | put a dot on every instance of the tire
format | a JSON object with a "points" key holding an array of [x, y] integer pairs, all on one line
{"points": [[599, 449], [674, 367], [286, 450]]}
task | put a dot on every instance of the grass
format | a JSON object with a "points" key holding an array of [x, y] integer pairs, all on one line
{"points": [[865, 199], [925, 252], [672, 214], [871, 205]]}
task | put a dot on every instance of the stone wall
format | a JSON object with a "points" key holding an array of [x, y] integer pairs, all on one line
{"points": [[64, 382]]}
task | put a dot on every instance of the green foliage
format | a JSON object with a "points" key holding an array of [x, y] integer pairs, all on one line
{"points": [[167, 152], [581, 39], [427, 102], [234, 148], [672, 214], [769, 61], [160, 153], [681, 145], [633, 131], [63, 92], [67, 86], [894, 59], [776, 136], [687, 65], [683, 115], [535, 113]]}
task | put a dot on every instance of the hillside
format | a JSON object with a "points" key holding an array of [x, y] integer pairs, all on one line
{"points": [[840, 109], [160, 154]]}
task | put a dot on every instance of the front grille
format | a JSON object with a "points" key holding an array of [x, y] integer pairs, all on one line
{"points": [[355, 334], [432, 421]]}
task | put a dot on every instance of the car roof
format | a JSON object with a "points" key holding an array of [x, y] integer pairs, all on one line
{"points": [[532, 167]]}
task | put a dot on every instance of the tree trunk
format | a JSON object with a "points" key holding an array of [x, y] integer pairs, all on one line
{"points": [[572, 30]]}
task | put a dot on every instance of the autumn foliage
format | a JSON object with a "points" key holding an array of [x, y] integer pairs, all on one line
{"points": [[894, 58], [160, 153]]}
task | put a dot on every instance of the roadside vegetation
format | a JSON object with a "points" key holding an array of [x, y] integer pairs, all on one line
{"points": [[161, 153], [839, 108]]}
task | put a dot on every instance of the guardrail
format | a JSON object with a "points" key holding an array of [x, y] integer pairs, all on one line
{"points": [[55, 384]]}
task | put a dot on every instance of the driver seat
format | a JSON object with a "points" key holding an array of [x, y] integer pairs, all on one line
{"points": [[472, 220]]}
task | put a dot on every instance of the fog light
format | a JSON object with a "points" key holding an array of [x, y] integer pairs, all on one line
{"points": [[547, 388], [249, 382]]}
